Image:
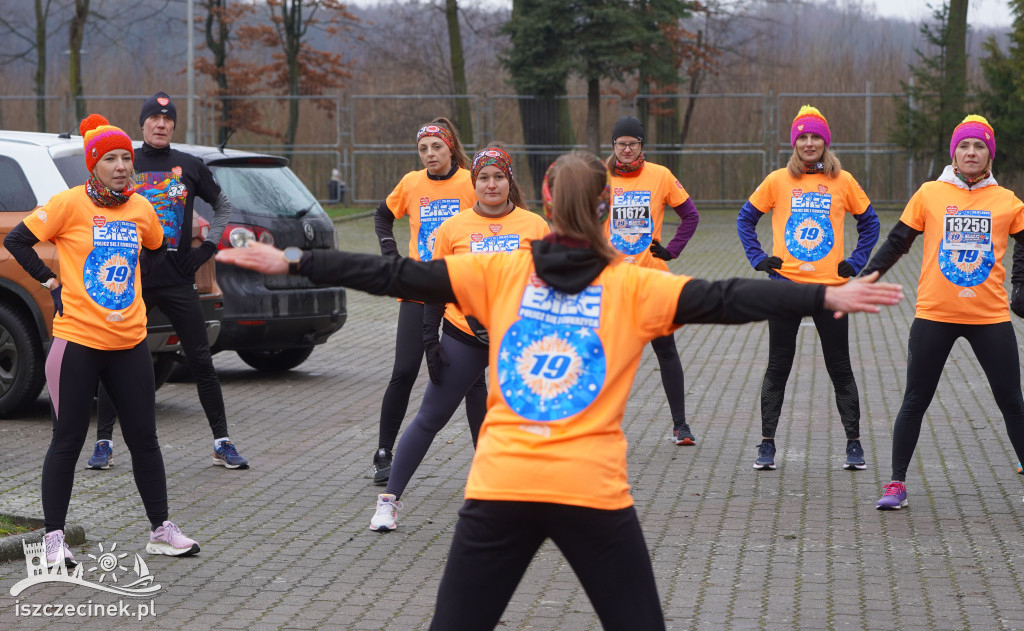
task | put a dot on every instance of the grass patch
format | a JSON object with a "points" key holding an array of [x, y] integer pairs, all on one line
{"points": [[335, 211], [8, 527]]}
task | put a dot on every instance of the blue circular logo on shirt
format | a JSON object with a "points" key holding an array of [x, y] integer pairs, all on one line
{"points": [[809, 236], [548, 372], [632, 244], [966, 268], [110, 277]]}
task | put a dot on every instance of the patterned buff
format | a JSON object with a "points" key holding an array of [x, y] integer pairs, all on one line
{"points": [[492, 156], [811, 168], [633, 167], [603, 200], [970, 181], [437, 130], [105, 197]]}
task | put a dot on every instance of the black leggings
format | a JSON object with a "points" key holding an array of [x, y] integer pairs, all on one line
{"points": [[180, 303], [671, 376], [495, 541], [995, 346], [72, 372], [835, 345], [465, 369], [408, 358]]}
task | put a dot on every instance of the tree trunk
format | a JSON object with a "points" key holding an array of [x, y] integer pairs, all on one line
{"points": [[956, 60], [463, 112], [667, 128], [594, 116], [217, 34], [543, 120], [40, 78], [292, 45], [76, 35]]}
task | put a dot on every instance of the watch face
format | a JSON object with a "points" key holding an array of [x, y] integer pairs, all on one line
{"points": [[292, 254]]}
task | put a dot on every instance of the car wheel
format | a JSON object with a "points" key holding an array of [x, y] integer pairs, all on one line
{"points": [[276, 361], [22, 361], [163, 364]]}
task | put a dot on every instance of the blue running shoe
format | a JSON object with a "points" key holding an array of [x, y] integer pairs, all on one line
{"points": [[894, 498], [765, 456], [855, 456], [227, 456], [102, 455]]}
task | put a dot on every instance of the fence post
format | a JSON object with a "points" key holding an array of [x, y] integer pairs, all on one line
{"points": [[867, 134]]}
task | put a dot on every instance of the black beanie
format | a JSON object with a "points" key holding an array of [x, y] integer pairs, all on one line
{"points": [[628, 126], [159, 103]]}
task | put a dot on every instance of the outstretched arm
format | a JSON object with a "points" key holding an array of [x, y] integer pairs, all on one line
{"points": [[380, 275]]}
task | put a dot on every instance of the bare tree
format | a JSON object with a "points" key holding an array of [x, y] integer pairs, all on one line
{"points": [[33, 45]]}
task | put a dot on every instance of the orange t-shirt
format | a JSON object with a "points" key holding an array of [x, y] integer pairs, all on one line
{"points": [[471, 233], [98, 250], [563, 365], [965, 235], [807, 222], [638, 203], [428, 203]]}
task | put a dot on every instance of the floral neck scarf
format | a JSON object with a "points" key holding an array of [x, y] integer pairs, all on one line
{"points": [[970, 181], [811, 168], [106, 197], [632, 167]]}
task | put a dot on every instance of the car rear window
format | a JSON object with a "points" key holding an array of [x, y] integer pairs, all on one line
{"points": [[72, 169], [16, 194], [266, 190]]}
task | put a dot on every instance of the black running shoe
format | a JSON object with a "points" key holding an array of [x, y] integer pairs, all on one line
{"points": [[681, 435], [381, 466]]}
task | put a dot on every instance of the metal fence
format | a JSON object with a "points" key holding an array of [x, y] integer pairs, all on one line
{"points": [[732, 140]]}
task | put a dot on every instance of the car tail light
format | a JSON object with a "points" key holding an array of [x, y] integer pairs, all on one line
{"points": [[238, 235], [172, 340], [203, 225]]}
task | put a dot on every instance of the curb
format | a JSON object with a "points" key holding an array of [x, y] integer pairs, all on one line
{"points": [[11, 548]]}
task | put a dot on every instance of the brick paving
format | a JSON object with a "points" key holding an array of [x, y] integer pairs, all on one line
{"points": [[286, 545]]}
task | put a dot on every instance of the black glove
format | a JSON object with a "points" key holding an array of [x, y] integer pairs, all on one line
{"points": [[436, 359], [658, 251], [769, 263], [195, 257], [845, 269], [1017, 299], [58, 304]]}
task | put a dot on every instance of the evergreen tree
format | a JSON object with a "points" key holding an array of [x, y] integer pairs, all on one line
{"points": [[1001, 100], [925, 122]]}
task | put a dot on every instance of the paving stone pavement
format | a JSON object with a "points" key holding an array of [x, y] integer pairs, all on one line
{"points": [[285, 545]]}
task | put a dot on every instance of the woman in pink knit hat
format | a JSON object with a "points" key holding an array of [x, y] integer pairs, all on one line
{"points": [[99, 329], [966, 219], [808, 200]]}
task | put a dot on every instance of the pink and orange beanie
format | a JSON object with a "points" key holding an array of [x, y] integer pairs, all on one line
{"points": [[99, 137], [974, 126], [809, 121]]}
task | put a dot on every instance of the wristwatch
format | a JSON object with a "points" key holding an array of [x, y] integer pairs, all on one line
{"points": [[50, 283], [293, 255]]}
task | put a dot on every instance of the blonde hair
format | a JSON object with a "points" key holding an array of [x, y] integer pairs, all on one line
{"points": [[459, 156], [832, 165], [582, 178]]}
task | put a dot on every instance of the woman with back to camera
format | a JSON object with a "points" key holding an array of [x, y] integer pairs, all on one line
{"points": [[640, 192], [497, 222], [428, 196], [568, 321], [809, 200], [99, 329], [966, 219]]}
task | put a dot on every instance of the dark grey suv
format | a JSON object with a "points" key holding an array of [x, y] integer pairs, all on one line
{"points": [[272, 322]]}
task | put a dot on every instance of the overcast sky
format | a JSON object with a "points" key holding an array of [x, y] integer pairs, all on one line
{"points": [[980, 12]]}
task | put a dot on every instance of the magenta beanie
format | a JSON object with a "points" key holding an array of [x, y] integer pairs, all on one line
{"points": [[974, 126], [809, 121]]}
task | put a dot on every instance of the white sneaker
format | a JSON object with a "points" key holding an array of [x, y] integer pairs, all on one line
{"points": [[387, 511], [56, 548]]}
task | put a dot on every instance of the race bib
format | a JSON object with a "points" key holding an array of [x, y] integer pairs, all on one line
{"points": [[965, 255], [808, 234], [631, 222], [109, 272], [551, 363]]}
